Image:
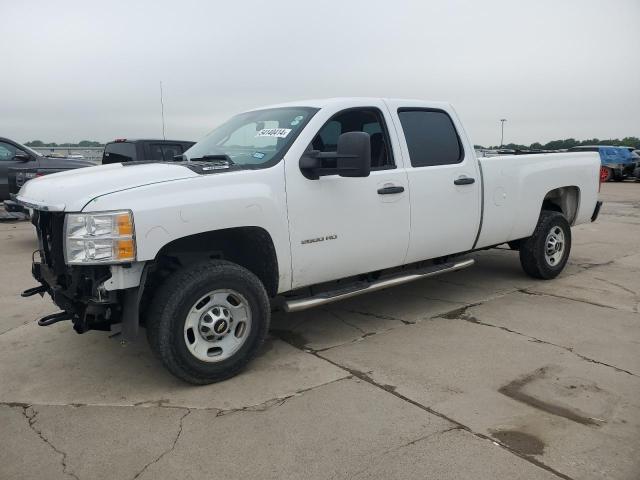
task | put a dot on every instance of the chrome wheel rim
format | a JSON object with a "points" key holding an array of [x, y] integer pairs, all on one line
{"points": [[554, 246], [217, 325]]}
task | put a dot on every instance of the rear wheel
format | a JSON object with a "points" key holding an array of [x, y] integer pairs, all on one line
{"points": [[207, 322], [545, 253], [606, 174]]}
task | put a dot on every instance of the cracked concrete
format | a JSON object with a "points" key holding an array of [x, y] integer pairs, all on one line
{"points": [[131, 375], [330, 431], [574, 325], [30, 414], [167, 451], [483, 373]]}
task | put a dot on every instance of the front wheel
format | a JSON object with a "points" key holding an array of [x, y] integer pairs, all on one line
{"points": [[545, 253], [208, 321]]}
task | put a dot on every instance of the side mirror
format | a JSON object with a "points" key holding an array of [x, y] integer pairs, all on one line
{"points": [[354, 154], [352, 158], [21, 157]]}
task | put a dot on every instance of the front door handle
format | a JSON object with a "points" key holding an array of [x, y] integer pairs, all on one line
{"points": [[390, 190], [464, 181]]}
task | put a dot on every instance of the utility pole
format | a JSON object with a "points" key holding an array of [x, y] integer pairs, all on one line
{"points": [[162, 110], [502, 120]]}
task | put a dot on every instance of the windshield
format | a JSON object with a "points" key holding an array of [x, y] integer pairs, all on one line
{"points": [[254, 139]]}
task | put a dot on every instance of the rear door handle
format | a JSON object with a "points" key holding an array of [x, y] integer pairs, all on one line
{"points": [[464, 181], [390, 190]]}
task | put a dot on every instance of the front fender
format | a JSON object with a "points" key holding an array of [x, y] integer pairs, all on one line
{"points": [[168, 211]]}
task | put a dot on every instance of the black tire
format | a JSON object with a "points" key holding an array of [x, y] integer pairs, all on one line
{"points": [[173, 301], [532, 249], [514, 244]]}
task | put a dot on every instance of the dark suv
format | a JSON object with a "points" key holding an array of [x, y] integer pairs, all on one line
{"points": [[127, 150]]}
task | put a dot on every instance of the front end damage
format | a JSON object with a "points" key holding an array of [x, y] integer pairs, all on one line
{"points": [[85, 294]]}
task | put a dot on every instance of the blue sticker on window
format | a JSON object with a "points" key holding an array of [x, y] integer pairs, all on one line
{"points": [[258, 155]]}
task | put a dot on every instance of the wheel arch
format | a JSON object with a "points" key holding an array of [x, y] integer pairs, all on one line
{"points": [[250, 247], [565, 200]]}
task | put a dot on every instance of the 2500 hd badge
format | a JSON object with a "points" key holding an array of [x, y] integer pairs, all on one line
{"points": [[319, 239]]}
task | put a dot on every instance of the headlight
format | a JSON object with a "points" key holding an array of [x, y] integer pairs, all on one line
{"points": [[104, 237]]}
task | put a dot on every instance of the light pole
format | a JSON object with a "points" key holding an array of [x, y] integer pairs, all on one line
{"points": [[502, 120]]}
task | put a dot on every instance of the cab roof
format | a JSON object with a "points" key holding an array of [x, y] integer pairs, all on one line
{"points": [[349, 101]]}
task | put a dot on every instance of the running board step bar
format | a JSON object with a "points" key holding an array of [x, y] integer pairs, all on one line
{"points": [[333, 296]]}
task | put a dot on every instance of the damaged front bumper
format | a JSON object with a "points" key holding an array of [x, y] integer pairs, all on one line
{"points": [[79, 294], [93, 297]]}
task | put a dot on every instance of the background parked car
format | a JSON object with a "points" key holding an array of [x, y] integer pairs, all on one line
{"points": [[618, 162], [131, 150], [19, 163]]}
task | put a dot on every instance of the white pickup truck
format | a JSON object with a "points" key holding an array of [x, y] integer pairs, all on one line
{"points": [[291, 206]]}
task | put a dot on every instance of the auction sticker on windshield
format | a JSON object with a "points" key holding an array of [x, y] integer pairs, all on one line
{"points": [[274, 132]]}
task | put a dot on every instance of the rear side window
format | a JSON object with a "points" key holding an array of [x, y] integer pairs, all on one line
{"points": [[119, 152], [431, 137]]}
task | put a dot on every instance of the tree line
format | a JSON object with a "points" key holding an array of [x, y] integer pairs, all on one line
{"points": [[568, 143], [552, 145], [83, 143]]}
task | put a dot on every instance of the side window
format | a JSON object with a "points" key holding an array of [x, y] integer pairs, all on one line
{"points": [[371, 128], [163, 151], [171, 150], [8, 151], [329, 136], [431, 137], [155, 151], [368, 120]]}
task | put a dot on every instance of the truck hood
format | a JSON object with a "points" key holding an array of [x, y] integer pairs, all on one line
{"points": [[73, 189]]}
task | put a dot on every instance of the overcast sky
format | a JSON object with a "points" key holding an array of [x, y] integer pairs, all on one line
{"points": [[76, 70]]}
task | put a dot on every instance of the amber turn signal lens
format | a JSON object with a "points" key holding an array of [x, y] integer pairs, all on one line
{"points": [[125, 249], [124, 224]]}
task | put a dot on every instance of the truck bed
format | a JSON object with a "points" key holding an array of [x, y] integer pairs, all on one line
{"points": [[513, 186]]}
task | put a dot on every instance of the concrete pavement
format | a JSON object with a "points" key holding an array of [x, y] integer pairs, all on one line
{"points": [[483, 373]]}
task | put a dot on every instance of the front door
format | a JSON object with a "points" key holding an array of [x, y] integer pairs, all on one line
{"points": [[340, 227], [7, 161]]}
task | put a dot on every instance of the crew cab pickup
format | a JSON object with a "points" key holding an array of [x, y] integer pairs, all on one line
{"points": [[291, 206]]}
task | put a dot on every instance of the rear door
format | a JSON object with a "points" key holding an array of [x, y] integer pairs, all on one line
{"points": [[444, 181]]}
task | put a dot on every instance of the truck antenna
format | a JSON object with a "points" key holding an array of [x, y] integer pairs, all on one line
{"points": [[162, 110]]}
